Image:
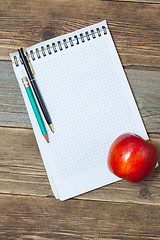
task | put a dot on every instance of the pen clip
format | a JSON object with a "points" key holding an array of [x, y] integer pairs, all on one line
{"points": [[28, 61]]}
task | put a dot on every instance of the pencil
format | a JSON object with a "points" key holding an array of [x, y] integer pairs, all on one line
{"points": [[35, 108], [30, 73]]}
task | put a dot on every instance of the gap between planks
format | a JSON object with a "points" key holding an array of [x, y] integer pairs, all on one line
{"points": [[39, 218], [136, 35], [144, 84], [22, 173]]}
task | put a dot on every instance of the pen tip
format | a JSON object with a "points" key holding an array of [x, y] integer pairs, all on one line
{"points": [[46, 137], [51, 127]]}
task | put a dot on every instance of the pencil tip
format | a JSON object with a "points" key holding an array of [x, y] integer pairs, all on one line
{"points": [[46, 137], [51, 127]]}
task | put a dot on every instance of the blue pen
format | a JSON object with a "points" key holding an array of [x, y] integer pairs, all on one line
{"points": [[35, 108]]}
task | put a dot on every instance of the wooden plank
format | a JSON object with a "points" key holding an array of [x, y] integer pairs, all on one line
{"points": [[46, 218], [145, 86], [136, 35], [22, 172]]}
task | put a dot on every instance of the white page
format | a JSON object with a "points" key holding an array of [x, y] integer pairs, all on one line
{"points": [[20, 73], [90, 103]]}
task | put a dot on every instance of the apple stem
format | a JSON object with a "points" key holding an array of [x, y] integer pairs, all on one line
{"points": [[149, 140]]}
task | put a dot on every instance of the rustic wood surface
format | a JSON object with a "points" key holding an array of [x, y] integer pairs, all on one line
{"points": [[45, 218], [146, 94], [134, 25], [23, 170], [118, 211]]}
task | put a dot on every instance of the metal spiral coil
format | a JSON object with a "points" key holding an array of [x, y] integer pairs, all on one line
{"points": [[61, 45]]}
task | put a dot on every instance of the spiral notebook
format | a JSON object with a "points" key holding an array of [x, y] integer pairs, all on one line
{"points": [[86, 92]]}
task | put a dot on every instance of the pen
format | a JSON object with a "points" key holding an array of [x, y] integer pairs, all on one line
{"points": [[35, 108], [30, 73]]}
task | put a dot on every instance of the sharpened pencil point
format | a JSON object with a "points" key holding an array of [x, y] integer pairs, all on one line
{"points": [[51, 127], [46, 137]]}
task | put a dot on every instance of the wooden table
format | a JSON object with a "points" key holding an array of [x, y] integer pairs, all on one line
{"points": [[118, 211]]}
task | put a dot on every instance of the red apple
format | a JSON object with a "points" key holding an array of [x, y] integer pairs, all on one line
{"points": [[132, 158]]}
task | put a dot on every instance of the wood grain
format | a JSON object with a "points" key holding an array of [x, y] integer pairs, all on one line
{"points": [[136, 35], [22, 172], [140, 1], [44, 218], [144, 84], [121, 210]]}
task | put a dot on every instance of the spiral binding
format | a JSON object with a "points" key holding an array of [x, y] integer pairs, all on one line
{"points": [[60, 45]]}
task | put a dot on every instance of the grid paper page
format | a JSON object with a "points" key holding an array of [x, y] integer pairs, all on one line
{"points": [[90, 104]]}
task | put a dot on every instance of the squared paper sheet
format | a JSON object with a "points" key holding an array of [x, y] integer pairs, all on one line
{"points": [[90, 103]]}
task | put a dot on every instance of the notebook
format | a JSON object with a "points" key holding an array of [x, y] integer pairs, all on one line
{"points": [[90, 102]]}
